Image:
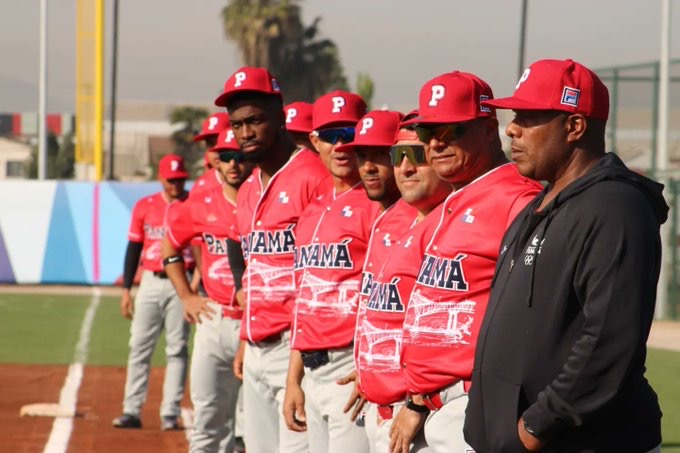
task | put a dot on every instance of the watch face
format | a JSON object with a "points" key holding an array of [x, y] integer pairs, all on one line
{"points": [[528, 428]]}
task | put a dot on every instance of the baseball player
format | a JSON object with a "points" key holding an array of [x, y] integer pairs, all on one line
{"points": [[331, 242], [212, 126], [212, 215], [156, 305], [451, 290], [396, 244], [299, 123], [269, 204]]}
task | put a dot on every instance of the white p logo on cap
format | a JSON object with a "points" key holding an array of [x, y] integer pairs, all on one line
{"points": [[174, 165], [338, 103], [292, 113], [438, 92], [212, 122], [525, 76], [230, 136], [239, 78], [366, 124]]}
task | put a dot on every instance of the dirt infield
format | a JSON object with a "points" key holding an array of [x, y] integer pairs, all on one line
{"points": [[99, 401]]}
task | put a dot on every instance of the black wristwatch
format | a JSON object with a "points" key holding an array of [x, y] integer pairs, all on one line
{"points": [[420, 408], [529, 429]]}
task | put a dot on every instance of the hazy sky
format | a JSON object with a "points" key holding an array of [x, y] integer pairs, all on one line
{"points": [[175, 50]]}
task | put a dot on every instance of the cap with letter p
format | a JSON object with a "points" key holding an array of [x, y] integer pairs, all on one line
{"points": [[562, 85], [299, 117], [337, 108], [376, 128], [171, 166], [225, 142], [212, 126], [453, 97], [258, 80]]}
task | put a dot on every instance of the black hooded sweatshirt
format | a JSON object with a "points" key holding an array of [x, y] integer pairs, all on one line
{"points": [[563, 338]]}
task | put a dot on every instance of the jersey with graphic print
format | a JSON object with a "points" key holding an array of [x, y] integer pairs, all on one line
{"points": [[330, 248], [211, 216], [380, 322], [149, 217], [266, 222], [449, 298], [209, 180]]}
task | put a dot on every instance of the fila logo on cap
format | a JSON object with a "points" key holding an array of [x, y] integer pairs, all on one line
{"points": [[366, 124], [570, 96], [523, 78], [438, 92], [212, 122], [482, 108], [275, 85], [292, 113], [338, 103], [239, 78], [174, 165]]}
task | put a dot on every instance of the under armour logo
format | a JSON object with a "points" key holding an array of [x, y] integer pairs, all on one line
{"points": [[366, 124], [525, 76], [338, 103], [292, 113], [239, 78], [347, 211], [212, 122], [283, 197], [438, 92], [468, 217]]}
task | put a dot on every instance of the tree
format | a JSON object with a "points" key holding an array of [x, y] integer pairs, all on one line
{"points": [[365, 87], [270, 34], [61, 158], [190, 119]]}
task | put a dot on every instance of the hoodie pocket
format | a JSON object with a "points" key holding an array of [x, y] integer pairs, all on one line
{"points": [[502, 401]]}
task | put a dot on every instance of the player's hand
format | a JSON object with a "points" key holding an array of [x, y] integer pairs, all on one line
{"points": [[196, 307], [356, 399], [127, 306], [240, 298], [530, 442], [238, 360], [294, 408], [405, 426]]}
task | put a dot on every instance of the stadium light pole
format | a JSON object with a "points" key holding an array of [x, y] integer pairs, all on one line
{"points": [[522, 38], [42, 95], [114, 83]]}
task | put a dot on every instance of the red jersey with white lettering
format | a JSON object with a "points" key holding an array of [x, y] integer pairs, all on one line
{"points": [[209, 180], [212, 216], [380, 323], [452, 288], [149, 217], [330, 248], [266, 221]]}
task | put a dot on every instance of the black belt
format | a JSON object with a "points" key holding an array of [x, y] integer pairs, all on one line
{"points": [[160, 274], [314, 359], [274, 338]]}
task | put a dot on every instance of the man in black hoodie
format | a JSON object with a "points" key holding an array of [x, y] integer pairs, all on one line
{"points": [[560, 359]]}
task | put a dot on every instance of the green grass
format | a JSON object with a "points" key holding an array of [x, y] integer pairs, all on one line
{"points": [[44, 330], [663, 372]]}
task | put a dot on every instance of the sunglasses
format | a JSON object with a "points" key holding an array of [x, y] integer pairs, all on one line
{"points": [[414, 153], [444, 132], [176, 180], [228, 156], [333, 136]]}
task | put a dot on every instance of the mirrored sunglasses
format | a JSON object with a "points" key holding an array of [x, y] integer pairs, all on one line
{"points": [[333, 136], [228, 156], [445, 133], [414, 153]]}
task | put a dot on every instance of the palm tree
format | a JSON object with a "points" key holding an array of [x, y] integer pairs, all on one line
{"points": [[190, 120], [270, 34]]}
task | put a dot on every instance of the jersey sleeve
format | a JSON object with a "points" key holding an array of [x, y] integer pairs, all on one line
{"points": [[180, 225], [136, 231]]}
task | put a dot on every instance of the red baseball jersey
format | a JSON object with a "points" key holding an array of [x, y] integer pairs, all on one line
{"points": [[211, 216], [380, 323], [266, 221], [330, 248], [449, 298], [209, 180], [149, 217]]}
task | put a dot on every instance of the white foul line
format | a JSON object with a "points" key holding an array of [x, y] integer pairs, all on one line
{"points": [[62, 427]]}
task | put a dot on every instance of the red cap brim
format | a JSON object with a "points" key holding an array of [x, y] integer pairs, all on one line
{"points": [[438, 119], [513, 103], [201, 137]]}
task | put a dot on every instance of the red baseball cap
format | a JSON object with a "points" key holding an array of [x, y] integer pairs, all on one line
{"points": [[299, 117], [249, 79], [213, 125], [338, 108], [171, 166], [453, 97], [376, 128], [226, 142], [562, 85]]}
